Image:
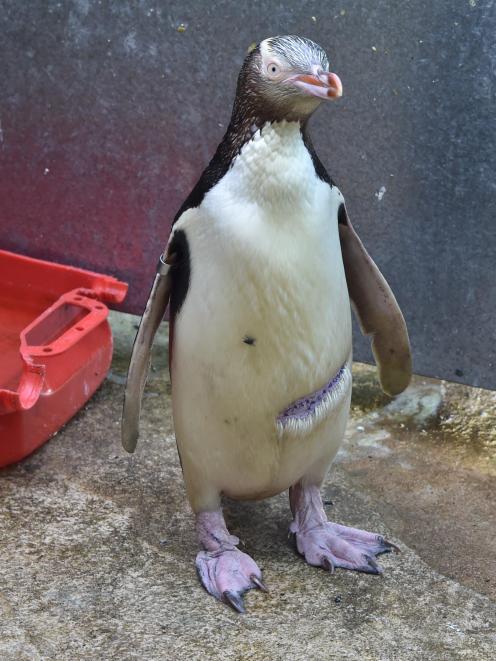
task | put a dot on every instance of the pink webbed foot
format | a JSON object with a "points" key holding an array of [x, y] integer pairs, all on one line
{"points": [[330, 545], [228, 574], [225, 572]]}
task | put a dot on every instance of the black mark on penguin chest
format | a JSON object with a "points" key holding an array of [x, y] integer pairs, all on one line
{"points": [[180, 271], [342, 217]]}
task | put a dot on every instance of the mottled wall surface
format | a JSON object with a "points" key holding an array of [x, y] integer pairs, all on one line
{"points": [[109, 112]]}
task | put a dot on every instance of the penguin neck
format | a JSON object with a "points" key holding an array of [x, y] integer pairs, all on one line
{"points": [[241, 130], [243, 127], [273, 166]]}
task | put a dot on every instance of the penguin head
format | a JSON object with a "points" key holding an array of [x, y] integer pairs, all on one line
{"points": [[285, 78]]}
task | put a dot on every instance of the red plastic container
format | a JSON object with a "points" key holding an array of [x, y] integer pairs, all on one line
{"points": [[55, 347]]}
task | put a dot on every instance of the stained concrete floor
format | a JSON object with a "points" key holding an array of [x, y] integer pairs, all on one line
{"points": [[97, 547]]}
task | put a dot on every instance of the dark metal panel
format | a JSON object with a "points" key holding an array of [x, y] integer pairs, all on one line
{"points": [[109, 113]]}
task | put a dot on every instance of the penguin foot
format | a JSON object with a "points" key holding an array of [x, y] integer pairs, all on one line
{"points": [[331, 545], [227, 574]]}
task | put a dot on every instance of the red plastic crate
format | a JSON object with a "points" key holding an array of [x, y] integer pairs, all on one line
{"points": [[55, 347]]}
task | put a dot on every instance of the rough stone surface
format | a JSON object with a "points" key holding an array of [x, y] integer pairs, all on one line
{"points": [[97, 548]]}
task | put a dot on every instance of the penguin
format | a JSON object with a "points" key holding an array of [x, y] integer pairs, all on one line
{"points": [[260, 269]]}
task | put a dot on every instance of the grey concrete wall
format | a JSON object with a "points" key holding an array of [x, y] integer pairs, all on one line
{"points": [[109, 112]]}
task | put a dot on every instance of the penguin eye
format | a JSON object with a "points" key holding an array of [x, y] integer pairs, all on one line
{"points": [[272, 69]]}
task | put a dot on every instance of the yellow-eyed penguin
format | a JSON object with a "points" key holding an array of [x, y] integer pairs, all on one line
{"points": [[260, 267]]}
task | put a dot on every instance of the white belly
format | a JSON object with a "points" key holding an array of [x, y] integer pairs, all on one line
{"points": [[266, 268]]}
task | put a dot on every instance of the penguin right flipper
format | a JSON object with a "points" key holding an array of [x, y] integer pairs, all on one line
{"points": [[377, 310], [141, 355]]}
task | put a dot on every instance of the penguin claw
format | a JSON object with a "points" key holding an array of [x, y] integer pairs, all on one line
{"points": [[234, 600], [227, 574], [371, 566], [328, 564], [390, 546], [258, 583]]}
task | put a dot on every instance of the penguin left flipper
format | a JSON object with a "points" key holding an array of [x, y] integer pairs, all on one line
{"points": [[377, 309], [141, 355]]}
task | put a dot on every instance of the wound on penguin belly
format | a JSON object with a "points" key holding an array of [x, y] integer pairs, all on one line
{"points": [[302, 414]]}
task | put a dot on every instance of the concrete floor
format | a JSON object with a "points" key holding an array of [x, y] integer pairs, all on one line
{"points": [[97, 547]]}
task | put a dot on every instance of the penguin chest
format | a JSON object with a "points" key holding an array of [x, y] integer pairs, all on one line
{"points": [[265, 322], [267, 317]]}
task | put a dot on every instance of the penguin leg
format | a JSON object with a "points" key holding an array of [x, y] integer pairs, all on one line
{"points": [[224, 571], [329, 545]]}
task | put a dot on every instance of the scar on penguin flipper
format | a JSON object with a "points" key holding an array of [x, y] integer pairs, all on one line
{"points": [[249, 340]]}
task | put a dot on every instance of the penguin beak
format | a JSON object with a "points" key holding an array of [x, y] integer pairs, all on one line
{"points": [[320, 83]]}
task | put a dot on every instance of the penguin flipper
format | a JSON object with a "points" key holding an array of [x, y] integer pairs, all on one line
{"points": [[141, 355], [377, 309]]}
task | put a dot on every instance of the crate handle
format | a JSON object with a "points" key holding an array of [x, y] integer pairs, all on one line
{"points": [[28, 391]]}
